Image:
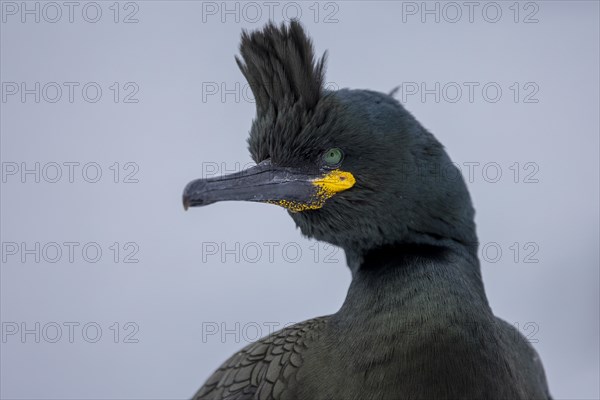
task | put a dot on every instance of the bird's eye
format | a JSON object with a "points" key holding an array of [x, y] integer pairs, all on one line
{"points": [[333, 156]]}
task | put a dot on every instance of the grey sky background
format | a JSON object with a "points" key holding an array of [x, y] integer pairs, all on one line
{"points": [[174, 293]]}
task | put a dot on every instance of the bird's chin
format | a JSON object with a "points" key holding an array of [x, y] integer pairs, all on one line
{"points": [[319, 225]]}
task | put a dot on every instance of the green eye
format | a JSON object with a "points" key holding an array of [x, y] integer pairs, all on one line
{"points": [[333, 156]]}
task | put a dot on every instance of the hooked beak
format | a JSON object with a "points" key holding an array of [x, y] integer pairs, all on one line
{"points": [[292, 188]]}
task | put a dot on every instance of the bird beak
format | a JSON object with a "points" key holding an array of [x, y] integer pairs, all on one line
{"points": [[291, 188]]}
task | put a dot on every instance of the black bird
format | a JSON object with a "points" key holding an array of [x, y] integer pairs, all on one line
{"points": [[356, 170]]}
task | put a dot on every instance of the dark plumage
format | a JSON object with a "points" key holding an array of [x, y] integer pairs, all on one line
{"points": [[416, 323]]}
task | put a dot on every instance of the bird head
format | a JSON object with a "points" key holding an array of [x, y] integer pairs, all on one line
{"points": [[353, 167]]}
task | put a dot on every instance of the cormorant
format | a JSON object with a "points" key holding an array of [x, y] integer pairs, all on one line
{"points": [[356, 170]]}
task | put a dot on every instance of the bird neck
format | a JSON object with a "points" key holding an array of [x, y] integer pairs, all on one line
{"points": [[411, 311], [415, 278]]}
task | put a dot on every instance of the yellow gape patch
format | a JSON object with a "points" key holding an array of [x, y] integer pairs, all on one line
{"points": [[334, 182]]}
